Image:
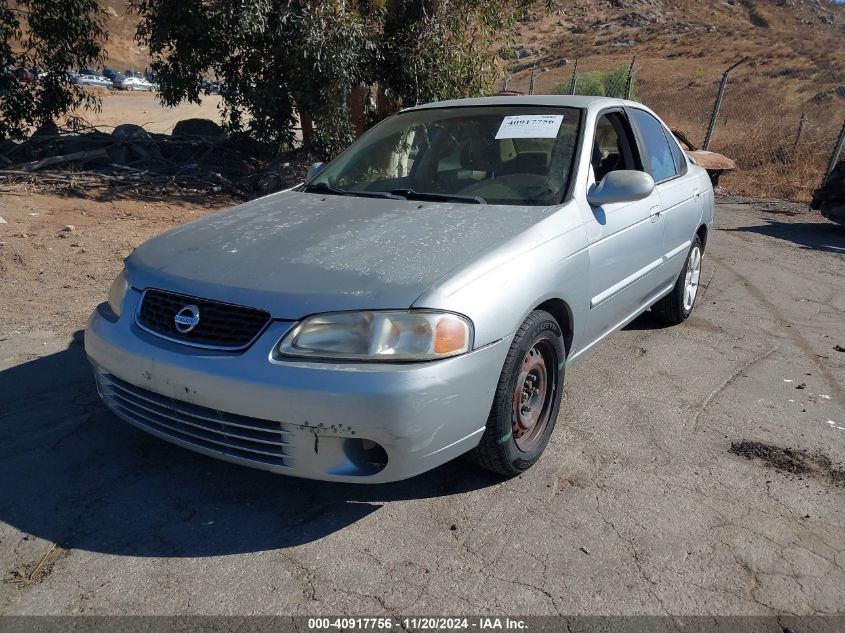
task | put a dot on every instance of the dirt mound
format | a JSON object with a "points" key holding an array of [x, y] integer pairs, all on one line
{"points": [[790, 460], [198, 157]]}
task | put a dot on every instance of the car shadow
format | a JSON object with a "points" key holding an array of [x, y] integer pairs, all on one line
{"points": [[76, 475], [819, 236], [646, 321]]}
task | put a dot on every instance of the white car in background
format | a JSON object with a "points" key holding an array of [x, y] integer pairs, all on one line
{"points": [[135, 83]]}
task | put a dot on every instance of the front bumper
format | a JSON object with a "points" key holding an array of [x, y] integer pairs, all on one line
{"points": [[299, 418]]}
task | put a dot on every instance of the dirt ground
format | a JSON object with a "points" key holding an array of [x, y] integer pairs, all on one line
{"points": [[59, 254], [694, 470], [143, 108]]}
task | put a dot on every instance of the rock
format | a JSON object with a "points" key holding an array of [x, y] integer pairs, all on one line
{"points": [[69, 228], [46, 129], [196, 127], [130, 131], [2, 221]]}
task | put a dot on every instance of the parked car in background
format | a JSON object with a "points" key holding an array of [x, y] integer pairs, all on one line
{"points": [[110, 73], [829, 199], [135, 83], [93, 80], [25, 75], [418, 298]]}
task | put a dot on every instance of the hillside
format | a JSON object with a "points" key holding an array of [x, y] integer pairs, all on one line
{"points": [[795, 71], [797, 44]]}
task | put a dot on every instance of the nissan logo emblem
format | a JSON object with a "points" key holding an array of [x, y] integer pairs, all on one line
{"points": [[187, 319]]}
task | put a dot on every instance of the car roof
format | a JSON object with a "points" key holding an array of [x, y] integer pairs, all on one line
{"points": [[567, 101]]}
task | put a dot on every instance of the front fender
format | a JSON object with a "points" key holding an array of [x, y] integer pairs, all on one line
{"points": [[499, 298]]}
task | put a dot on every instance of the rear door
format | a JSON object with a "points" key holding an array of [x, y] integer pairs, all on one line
{"points": [[680, 191]]}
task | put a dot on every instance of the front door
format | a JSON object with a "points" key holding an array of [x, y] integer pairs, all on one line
{"points": [[626, 239]]}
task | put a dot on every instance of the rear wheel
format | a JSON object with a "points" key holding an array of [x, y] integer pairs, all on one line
{"points": [[676, 307], [527, 399]]}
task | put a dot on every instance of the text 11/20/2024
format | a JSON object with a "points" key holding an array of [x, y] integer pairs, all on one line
{"points": [[418, 624]]}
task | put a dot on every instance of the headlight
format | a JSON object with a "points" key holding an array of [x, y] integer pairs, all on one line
{"points": [[406, 335], [117, 292]]}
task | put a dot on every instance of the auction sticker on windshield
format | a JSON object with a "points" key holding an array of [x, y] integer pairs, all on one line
{"points": [[530, 126]]}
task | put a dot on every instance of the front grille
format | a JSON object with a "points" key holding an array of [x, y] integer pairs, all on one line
{"points": [[221, 325], [252, 439]]}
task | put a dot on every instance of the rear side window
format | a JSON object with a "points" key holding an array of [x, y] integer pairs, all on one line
{"points": [[677, 153], [657, 155]]}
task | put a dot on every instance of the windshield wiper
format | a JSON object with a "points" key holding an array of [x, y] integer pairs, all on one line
{"points": [[321, 187], [410, 194]]}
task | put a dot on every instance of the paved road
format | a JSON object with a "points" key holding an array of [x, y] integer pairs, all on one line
{"points": [[637, 507]]}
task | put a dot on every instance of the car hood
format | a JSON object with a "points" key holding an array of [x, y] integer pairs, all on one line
{"points": [[295, 254]]}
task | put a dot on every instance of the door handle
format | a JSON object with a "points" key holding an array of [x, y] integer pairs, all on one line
{"points": [[654, 212], [697, 194]]}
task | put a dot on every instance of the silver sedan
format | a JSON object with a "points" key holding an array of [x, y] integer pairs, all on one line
{"points": [[92, 80], [417, 299]]}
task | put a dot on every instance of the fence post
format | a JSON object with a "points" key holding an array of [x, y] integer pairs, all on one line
{"points": [[629, 84], [574, 79], [801, 124], [834, 158], [718, 105], [533, 84]]}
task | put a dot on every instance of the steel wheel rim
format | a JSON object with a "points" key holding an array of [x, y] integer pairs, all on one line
{"points": [[693, 277], [533, 395]]}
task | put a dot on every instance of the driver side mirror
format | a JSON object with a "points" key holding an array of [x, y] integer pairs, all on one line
{"points": [[315, 169], [620, 186]]}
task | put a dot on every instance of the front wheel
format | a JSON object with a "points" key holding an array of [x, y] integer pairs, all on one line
{"points": [[676, 307], [527, 399]]}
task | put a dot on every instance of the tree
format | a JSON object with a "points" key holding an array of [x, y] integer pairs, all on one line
{"points": [[49, 37], [316, 62], [442, 49]]}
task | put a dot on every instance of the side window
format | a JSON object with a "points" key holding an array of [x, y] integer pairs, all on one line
{"points": [[657, 155], [677, 153], [611, 145]]}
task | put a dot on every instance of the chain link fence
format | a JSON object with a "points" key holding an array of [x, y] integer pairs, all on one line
{"points": [[780, 124]]}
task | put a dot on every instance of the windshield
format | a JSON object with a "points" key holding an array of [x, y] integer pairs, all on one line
{"points": [[492, 154]]}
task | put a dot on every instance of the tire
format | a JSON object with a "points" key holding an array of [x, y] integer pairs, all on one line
{"points": [[533, 368], [677, 306]]}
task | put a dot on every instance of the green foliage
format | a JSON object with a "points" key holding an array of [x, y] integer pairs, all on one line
{"points": [[442, 50], [610, 83], [46, 36], [285, 61]]}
